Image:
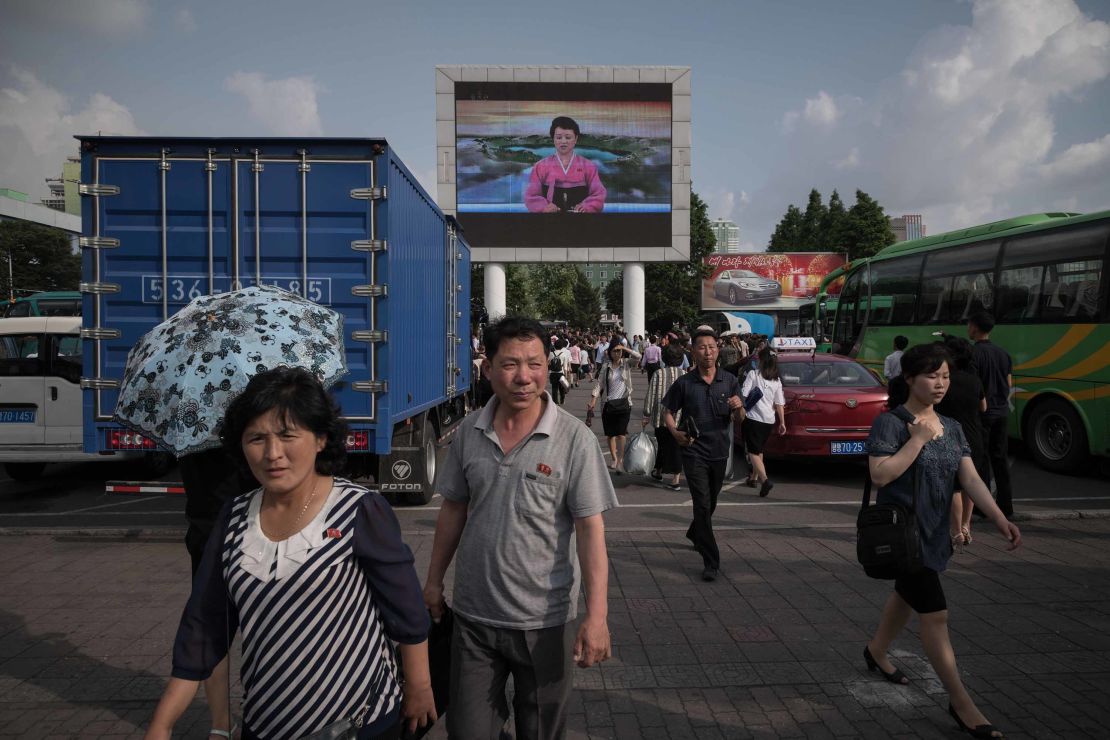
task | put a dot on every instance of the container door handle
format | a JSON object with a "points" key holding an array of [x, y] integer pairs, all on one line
{"points": [[53, 393]]}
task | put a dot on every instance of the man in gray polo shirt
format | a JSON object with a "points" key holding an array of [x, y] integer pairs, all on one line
{"points": [[524, 487]]}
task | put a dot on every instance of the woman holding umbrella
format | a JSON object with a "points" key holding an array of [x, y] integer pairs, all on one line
{"points": [[312, 570]]}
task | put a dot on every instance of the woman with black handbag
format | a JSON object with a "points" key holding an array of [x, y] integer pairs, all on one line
{"points": [[614, 380], [935, 445]]}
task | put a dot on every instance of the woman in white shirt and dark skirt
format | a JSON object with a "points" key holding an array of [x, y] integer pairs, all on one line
{"points": [[614, 382], [764, 404]]}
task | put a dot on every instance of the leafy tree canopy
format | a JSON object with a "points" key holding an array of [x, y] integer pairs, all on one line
{"points": [[42, 258]]}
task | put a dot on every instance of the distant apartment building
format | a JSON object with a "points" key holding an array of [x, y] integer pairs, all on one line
{"points": [[907, 226], [64, 195], [599, 274], [728, 235]]}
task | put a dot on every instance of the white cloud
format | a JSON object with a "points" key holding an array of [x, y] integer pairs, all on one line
{"points": [[107, 17], [287, 107], [185, 21], [37, 125], [821, 111], [1080, 159], [745, 199], [849, 162], [721, 204], [967, 131]]}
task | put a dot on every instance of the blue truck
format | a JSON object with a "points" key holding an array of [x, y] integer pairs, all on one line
{"points": [[342, 222]]}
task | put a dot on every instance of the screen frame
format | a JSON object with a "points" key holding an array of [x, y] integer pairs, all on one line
{"points": [[448, 78]]}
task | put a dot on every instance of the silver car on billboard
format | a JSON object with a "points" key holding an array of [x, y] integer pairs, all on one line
{"points": [[743, 286]]}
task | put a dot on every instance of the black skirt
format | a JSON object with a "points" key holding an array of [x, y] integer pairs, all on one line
{"points": [[755, 435], [615, 423]]}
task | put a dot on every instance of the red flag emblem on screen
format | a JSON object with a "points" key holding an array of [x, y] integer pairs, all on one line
{"points": [[546, 470]]}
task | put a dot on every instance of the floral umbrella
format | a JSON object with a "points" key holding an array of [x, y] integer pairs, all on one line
{"points": [[182, 375]]}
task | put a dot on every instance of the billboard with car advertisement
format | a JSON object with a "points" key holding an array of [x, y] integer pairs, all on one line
{"points": [[766, 281], [566, 164]]}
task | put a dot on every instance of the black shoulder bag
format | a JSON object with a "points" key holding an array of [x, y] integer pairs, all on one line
{"points": [[888, 541]]}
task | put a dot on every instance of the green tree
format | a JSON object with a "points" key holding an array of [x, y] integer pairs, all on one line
{"points": [[787, 236], [551, 287], [833, 225], [42, 258], [867, 228], [518, 296], [584, 308], [614, 294], [812, 220], [673, 289]]}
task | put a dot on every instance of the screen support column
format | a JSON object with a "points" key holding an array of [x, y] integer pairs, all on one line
{"points": [[495, 290], [633, 298]]}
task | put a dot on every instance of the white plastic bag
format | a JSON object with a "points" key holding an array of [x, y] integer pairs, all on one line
{"points": [[639, 455]]}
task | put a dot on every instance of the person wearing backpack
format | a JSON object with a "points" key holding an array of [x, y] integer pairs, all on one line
{"points": [[913, 435], [558, 366]]}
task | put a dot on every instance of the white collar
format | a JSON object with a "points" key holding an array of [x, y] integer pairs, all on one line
{"points": [[566, 169], [259, 551]]}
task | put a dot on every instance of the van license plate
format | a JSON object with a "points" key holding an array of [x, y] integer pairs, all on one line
{"points": [[847, 448], [17, 416]]}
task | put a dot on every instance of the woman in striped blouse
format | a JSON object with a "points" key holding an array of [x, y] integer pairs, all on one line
{"points": [[668, 459], [312, 570]]}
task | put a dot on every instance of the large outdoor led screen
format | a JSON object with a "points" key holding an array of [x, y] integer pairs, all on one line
{"points": [[547, 165], [571, 164]]}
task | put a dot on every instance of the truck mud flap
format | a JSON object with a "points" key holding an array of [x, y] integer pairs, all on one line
{"points": [[401, 473]]}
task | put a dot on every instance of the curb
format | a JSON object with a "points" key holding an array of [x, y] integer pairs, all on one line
{"points": [[173, 533]]}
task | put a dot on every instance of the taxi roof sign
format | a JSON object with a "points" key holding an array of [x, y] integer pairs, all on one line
{"points": [[794, 344]]}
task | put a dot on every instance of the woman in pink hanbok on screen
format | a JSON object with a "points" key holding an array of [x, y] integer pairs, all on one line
{"points": [[564, 182]]}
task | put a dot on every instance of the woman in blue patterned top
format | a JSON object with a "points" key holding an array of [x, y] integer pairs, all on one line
{"points": [[312, 570], [912, 435]]}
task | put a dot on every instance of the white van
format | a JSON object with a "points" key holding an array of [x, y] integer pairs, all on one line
{"points": [[40, 395]]}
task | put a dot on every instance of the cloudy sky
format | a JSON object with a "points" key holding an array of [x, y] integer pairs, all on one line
{"points": [[964, 111]]}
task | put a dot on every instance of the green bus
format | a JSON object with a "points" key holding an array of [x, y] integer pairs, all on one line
{"points": [[1042, 277], [44, 303]]}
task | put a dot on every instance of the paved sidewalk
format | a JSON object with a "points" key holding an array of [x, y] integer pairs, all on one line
{"points": [[772, 649]]}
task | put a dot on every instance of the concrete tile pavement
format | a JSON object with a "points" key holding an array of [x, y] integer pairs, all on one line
{"points": [[772, 649]]}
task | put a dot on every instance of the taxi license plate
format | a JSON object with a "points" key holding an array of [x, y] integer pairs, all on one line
{"points": [[847, 448], [17, 416]]}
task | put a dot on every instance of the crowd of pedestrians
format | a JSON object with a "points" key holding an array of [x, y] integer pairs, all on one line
{"points": [[285, 539]]}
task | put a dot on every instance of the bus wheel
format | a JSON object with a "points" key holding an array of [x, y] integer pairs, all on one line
{"points": [[24, 472], [426, 469], [1056, 436]]}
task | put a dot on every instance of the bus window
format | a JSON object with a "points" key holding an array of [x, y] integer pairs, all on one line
{"points": [[19, 309], [1053, 277], [894, 286], [1019, 293], [958, 282], [846, 330]]}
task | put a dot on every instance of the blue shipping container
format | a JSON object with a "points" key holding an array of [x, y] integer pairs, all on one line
{"points": [[341, 221]]}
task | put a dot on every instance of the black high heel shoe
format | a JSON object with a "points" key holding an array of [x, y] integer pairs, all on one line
{"points": [[979, 731], [895, 676]]}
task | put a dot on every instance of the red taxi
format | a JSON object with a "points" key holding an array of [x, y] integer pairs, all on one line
{"points": [[831, 401]]}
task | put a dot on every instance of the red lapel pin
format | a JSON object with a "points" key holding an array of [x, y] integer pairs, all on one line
{"points": [[335, 534], [545, 469]]}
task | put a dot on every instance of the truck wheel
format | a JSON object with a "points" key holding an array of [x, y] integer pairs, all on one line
{"points": [[1056, 436], [426, 469], [157, 464], [24, 472]]}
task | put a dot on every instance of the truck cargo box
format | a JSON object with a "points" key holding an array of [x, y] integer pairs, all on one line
{"points": [[340, 221]]}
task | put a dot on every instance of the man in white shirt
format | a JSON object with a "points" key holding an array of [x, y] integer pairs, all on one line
{"points": [[892, 365]]}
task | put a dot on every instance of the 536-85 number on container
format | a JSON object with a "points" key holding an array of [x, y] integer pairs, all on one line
{"points": [[180, 289]]}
